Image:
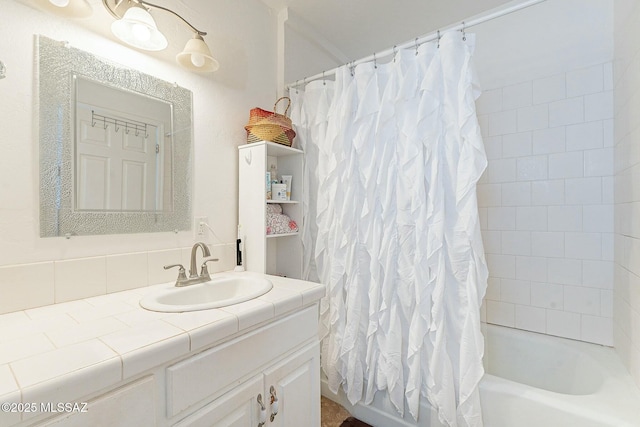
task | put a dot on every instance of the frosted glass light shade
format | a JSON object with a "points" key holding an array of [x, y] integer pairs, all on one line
{"points": [[138, 29], [67, 8], [196, 56]]}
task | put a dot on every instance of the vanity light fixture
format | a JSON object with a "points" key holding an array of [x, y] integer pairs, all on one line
{"points": [[136, 27], [67, 8]]}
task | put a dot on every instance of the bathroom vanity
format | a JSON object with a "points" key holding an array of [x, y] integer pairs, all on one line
{"points": [[114, 363]]}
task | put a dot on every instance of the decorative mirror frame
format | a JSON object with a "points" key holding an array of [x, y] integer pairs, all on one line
{"points": [[57, 63]]}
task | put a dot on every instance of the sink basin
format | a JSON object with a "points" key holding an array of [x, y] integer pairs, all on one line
{"points": [[221, 291]]}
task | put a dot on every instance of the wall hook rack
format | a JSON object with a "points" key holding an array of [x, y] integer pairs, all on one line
{"points": [[118, 123]]}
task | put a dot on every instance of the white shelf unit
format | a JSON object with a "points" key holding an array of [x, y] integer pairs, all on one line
{"points": [[278, 254]]}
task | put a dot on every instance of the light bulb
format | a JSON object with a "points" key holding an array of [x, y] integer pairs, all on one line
{"points": [[140, 32], [60, 3], [197, 59]]}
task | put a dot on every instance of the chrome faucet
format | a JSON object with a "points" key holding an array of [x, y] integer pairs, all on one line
{"points": [[194, 277]]}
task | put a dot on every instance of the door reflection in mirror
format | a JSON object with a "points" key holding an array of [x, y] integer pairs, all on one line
{"points": [[122, 149]]}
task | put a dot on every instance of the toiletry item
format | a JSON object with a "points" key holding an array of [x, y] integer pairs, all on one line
{"points": [[286, 179], [279, 191], [274, 172], [268, 185]]}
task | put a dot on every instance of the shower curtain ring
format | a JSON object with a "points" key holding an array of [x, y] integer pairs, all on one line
{"points": [[394, 53], [464, 35], [375, 63], [324, 82], [438, 39], [416, 46]]}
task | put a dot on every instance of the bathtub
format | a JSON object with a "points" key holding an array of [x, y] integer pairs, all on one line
{"points": [[533, 380], [538, 380]]}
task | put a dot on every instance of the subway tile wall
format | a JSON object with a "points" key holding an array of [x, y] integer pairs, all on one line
{"points": [[626, 295], [37, 284], [546, 204]]}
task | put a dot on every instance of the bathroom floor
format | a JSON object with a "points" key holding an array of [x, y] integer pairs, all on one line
{"points": [[334, 415]]}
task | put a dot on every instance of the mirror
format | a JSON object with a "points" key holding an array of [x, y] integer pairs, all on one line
{"points": [[115, 147]]}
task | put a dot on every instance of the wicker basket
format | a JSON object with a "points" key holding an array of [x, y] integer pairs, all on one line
{"points": [[270, 126]]}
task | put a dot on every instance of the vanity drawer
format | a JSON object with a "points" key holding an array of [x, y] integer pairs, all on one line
{"points": [[209, 373]]}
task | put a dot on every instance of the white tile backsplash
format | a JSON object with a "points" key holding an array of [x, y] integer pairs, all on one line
{"points": [[565, 218], [515, 96], [515, 291], [598, 162], [531, 268], [516, 242], [501, 218], [26, 286], [549, 89], [578, 299], [532, 218], [547, 295], [584, 136], [547, 244], [563, 324], [532, 118], [547, 192], [532, 168], [583, 245], [62, 282], [502, 122], [516, 144], [127, 271], [515, 194], [583, 191], [626, 139], [597, 274], [80, 278], [585, 81], [566, 112], [502, 170], [549, 140], [598, 106], [547, 205], [531, 318], [566, 165]]}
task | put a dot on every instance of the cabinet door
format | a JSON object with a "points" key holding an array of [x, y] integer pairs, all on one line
{"points": [[296, 386], [237, 408]]}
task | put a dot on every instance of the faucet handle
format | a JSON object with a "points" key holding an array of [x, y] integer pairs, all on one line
{"points": [[203, 269], [181, 272]]}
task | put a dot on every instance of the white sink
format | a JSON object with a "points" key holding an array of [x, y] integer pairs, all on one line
{"points": [[221, 291]]}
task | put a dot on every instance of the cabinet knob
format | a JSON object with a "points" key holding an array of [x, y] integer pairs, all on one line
{"points": [[274, 403], [263, 412]]}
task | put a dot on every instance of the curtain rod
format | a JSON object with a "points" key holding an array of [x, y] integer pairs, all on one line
{"points": [[423, 39]]}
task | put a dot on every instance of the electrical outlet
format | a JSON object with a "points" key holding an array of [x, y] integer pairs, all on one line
{"points": [[199, 226]]}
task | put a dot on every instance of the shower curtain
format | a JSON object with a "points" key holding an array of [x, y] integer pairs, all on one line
{"points": [[393, 153]]}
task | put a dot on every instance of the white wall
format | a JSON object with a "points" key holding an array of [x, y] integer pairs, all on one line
{"points": [[546, 199], [626, 292], [243, 33]]}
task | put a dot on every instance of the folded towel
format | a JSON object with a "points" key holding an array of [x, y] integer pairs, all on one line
{"points": [[277, 222]]}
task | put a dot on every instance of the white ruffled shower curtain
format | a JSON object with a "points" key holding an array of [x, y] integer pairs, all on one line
{"points": [[393, 153]]}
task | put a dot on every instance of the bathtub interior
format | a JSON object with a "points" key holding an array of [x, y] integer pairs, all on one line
{"points": [[539, 380], [541, 361]]}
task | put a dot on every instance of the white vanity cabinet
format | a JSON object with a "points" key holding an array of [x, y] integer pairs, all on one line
{"points": [[276, 362], [294, 382], [262, 363], [277, 254], [286, 394]]}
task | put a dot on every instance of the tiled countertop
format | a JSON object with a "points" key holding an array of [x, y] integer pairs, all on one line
{"points": [[62, 352]]}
